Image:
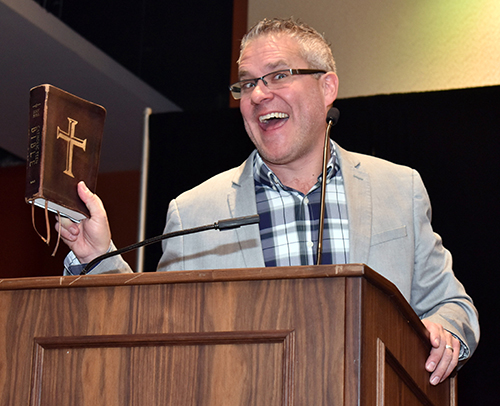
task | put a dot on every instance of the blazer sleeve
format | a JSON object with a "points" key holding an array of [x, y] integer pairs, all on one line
{"points": [[436, 294]]}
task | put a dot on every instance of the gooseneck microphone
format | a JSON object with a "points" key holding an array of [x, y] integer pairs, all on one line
{"points": [[220, 225], [331, 118]]}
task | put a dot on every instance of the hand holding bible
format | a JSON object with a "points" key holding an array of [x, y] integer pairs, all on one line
{"points": [[91, 237]]}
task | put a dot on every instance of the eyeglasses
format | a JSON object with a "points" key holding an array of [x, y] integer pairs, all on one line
{"points": [[273, 81]]}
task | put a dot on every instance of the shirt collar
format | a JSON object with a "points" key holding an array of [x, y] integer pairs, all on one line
{"points": [[265, 176]]}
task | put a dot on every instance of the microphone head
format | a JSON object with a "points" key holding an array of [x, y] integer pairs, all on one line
{"points": [[333, 116]]}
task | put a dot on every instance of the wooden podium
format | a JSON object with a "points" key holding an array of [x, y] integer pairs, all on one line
{"points": [[305, 336]]}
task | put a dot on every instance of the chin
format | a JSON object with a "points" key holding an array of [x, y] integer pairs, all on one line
{"points": [[274, 159]]}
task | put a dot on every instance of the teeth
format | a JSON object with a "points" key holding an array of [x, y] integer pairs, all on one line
{"points": [[269, 116]]}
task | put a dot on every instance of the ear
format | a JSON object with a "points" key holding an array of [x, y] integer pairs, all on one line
{"points": [[330, 86]]}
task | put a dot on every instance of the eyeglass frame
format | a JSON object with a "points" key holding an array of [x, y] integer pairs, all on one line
{"points": [[237, 91]]}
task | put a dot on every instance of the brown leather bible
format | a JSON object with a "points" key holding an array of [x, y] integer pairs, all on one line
{"points": [[64, 145]]}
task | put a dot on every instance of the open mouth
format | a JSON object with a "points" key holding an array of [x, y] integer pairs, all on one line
{"points": [[272, 119], [272, 116]]}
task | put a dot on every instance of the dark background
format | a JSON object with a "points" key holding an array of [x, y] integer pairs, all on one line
{"points": [[182, 49]]}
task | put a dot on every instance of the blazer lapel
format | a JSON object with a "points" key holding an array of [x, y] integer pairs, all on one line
{"points": [[241, 202], [359, 205]]}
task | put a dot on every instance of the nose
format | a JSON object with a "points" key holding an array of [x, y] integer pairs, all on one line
{"points": [[260, 92]]}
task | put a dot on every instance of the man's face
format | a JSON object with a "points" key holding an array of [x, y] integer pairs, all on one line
{"points": [[286, 125]]}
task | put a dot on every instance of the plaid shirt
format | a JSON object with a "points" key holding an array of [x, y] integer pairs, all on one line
{"points": [[289, 219]]}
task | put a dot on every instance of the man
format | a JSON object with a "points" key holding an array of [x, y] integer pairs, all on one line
{"points": [[377, 213]]}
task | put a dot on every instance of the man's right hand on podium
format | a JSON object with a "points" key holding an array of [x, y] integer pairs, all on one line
{"points": [[91, 237]]}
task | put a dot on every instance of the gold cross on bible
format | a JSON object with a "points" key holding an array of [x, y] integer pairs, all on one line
{"points": [[72, 141]]}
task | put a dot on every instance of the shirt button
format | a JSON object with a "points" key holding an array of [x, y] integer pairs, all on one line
{"points": [[310, 244], [306, 200]]}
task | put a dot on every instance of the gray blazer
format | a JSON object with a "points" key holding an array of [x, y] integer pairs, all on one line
{"points": [[389, 228]]}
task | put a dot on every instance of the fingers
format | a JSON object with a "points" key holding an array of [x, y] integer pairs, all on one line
{"points": [[454, 348], [69, 230], [443, 360], [443, 357]]}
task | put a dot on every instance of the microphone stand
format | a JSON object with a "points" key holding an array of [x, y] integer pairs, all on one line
{"points": [[332, 117], [218, 225]]}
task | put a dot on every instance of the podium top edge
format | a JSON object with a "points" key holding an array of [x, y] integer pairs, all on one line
{"points": [[215, 275]]}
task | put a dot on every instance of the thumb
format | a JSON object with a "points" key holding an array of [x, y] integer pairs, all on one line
{"points": [[433, 332], [91, 200]]}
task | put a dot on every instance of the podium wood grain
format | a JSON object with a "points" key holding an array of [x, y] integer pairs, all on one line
{"points": [[328, 335]]}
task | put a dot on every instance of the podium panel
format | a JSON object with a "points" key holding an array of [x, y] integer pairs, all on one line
{"points": [[327, 335], [245, 368]]}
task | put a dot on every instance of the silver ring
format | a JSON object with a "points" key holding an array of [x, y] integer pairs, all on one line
{"points": [[449, 347]]}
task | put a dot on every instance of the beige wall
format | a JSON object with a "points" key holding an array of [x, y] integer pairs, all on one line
{"points": [[398, 46]]}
